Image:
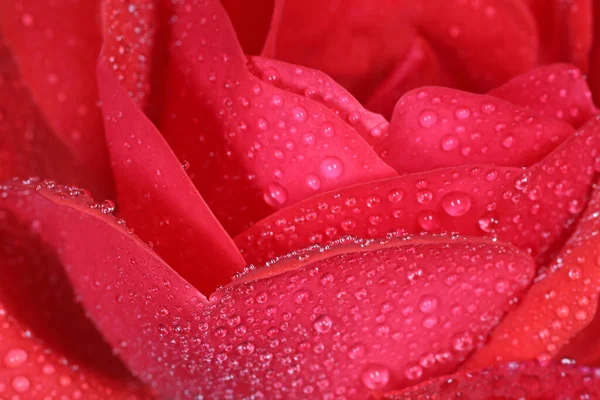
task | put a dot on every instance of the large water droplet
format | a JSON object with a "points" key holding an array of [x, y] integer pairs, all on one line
{"points": [[15, 358], [323, 324], [375, 376], [456, 203], [428, 118], [275, 195], [299, 113], [449, 142], [313, 182], [332, 167]]}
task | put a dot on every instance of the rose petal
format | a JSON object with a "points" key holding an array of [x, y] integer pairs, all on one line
{"points": [[510, 381], [420, 67], [558, 91], [535, 209], [594, 56], [252, 148], [27, 145], [48, 347], [565, 30], [448, 200], [319, 87], [455, 29], [357, 317], [129, 44], [114, 276], [560, 303], [435, 127], [157, 197], [55, 45], [584, 347], [251, 20]]}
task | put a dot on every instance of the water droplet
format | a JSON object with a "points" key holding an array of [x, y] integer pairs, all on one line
{"points": [[15, 358], [413, 372], [275, 195], [456, 203], [327, 129], [424, 196], [357, 351], [27, 20], [395, 196], [428, 220], [332, 167], [375, 376], [107, 207], [428, 118], [428, 304], [508, 142], [20, 384], [299, 113], [323, 324], [462, 113], [313, 182], [246, 348], [449, 142]]}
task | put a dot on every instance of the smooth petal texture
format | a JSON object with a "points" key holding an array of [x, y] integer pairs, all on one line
{"points": [[251, 20], [512, 381], [158, 199], [560, 303], [448, 200], [557, 91], [454, 29], [55, 45], [434, 127], [565, 30], [594, 56], [584, 348], [252, 148], [421, 67], [27, 145], [534, 209], [319, 87], [114, 275], [48, 347]]}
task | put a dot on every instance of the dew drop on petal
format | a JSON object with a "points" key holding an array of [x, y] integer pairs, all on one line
{"points": [[456, 204], [375, 376], [332, 167], [427, 118]]}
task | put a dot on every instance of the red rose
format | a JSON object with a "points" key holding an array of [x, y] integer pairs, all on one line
{"points": [[370, 258]]}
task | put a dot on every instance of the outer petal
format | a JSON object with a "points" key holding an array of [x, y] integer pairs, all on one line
{"points": [[561, 303], [114, 275], [510, 381], [558, 91], [318, 86], [48, 348], [55, 44], [158, 198], [594, 56], [320, 325], [438, 127], [27, 145], [251, 147], [447, 200]]}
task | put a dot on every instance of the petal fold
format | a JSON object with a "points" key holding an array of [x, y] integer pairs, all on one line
{"points": [[158, 199], [511, 381], [561, 302], [48, 346]]}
